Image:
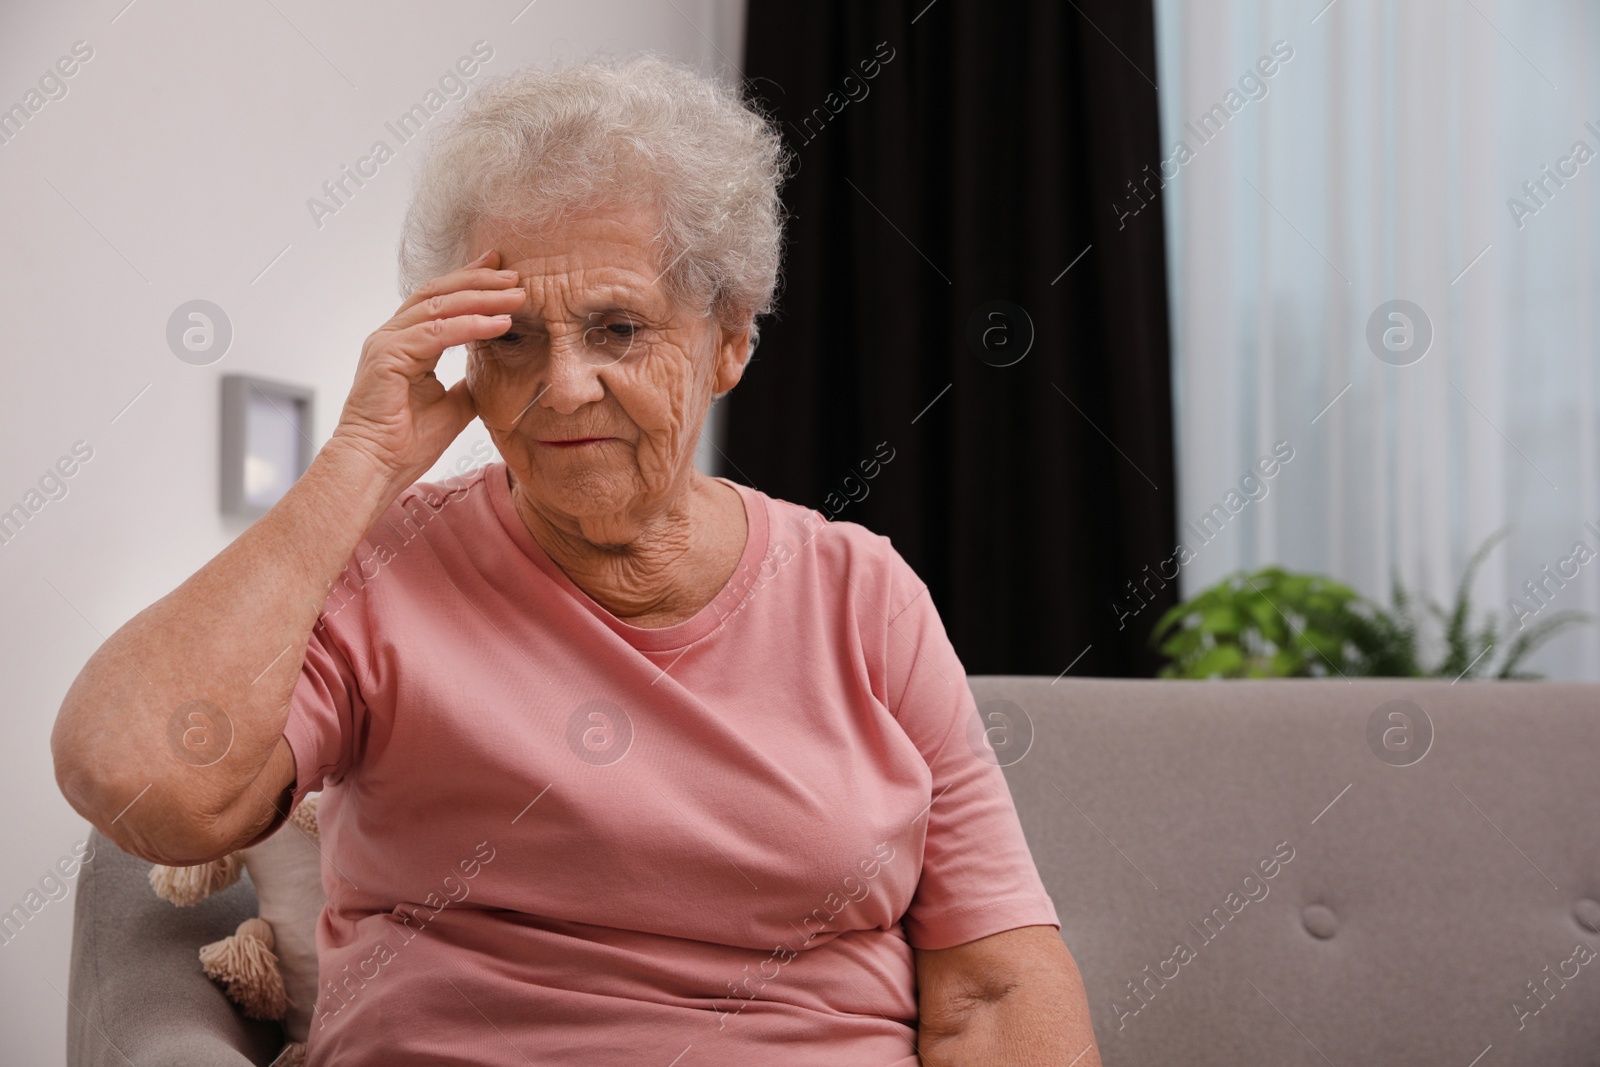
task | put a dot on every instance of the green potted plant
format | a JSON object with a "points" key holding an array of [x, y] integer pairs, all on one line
{"points": [[1277, 624]]}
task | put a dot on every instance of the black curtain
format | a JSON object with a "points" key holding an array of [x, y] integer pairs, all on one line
{"points": [[974, 293]]}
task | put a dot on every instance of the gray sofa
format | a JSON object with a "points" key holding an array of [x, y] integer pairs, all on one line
{"points": [[1338, 900]]}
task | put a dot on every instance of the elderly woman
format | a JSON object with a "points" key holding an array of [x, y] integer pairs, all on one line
{"points": [[694, 760]]}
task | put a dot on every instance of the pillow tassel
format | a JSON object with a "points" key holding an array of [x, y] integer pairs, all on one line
{"points": [[305, 817], [186, 886], [244, 965]]}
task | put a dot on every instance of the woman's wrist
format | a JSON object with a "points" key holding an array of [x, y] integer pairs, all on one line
{"points": [[357, 476]]}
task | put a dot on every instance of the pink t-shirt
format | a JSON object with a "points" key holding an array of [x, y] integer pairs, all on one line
{"points": [[550, 836]]}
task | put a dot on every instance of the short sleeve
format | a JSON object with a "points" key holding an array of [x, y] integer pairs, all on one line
{"points": [[978, 875], [326, 715]]}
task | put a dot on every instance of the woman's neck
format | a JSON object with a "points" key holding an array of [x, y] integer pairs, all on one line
{"points": [[679, 561]]}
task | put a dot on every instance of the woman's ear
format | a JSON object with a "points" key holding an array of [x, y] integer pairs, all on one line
{"points": [[733, 355]]}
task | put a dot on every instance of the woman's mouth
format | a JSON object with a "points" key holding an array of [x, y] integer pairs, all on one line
{"points": [[574, 442]]}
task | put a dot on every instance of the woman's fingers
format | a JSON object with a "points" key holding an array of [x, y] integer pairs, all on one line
{"points": [[398, 410], [461, 402], [424, 343], [500, 297], [482, 273]]}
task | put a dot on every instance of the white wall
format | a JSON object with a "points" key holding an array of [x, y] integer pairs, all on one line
{"points": [[178, 166]]}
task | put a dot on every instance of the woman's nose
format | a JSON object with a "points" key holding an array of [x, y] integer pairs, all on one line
{"points": [[571, 375]]}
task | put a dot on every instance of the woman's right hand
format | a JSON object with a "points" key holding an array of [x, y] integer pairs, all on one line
{"points": [[398, 414]]}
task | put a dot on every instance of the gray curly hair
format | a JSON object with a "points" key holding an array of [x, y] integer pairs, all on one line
{"points": [[533, 145]]}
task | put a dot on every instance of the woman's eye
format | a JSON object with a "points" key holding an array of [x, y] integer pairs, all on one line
{"points": [[509, 338], [622, 329]]}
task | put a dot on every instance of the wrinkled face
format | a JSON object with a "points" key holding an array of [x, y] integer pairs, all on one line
{"points": [[596, 395]]}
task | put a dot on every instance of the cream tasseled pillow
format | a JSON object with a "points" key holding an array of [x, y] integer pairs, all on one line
{"points": [[286, 869], [269, 966]]}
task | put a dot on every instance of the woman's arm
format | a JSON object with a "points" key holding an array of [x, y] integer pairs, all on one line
{"points": [[1014, 999], [215, 638], [129, 756]]}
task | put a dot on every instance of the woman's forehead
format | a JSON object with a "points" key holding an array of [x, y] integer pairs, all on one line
{"points": [[584, 259], [552, 297]]}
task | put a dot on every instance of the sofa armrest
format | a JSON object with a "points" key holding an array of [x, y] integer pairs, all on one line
{"points": [[136, 990]]}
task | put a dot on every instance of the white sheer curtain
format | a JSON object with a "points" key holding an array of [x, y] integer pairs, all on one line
{"points": [[1379, 162]]}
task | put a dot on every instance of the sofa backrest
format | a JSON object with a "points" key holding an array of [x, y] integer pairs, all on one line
{"points": [[1264, 872]]}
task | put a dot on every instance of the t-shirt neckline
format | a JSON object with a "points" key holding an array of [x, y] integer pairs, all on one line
{"points": [[645, 638]]}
